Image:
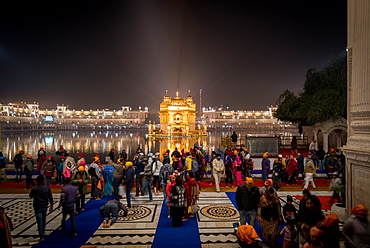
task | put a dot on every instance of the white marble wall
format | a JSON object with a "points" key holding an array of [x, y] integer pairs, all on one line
{"points": [[357, 149]]}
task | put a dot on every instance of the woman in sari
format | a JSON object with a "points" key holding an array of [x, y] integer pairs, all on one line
{"points": [[108, 179], [269, 216]]}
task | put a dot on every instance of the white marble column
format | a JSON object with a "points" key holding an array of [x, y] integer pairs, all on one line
{"points": [[325, 141], [357, 149]]}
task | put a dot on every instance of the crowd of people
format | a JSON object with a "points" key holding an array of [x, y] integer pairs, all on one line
{"points": [[306, 226], [178, 174]]}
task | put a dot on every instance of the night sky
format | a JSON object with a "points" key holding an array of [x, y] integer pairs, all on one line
{"points": [[108, 54]]}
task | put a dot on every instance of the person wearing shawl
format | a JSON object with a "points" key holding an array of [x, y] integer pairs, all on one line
{"points": [[191, 196], [309, 215], [269, 216], [177, 203], [356, 230], [292, 169], [94, 172], [247, 236], [6, 228], [80, 179], [108, 179], [229, 171], [238, 168], [47, 169]]}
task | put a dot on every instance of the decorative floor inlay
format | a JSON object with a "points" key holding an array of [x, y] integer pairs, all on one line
{"points": [[220, 212], [135, 213]]}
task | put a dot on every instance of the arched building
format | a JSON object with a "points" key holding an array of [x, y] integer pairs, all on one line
{"points": [[330, 134]]}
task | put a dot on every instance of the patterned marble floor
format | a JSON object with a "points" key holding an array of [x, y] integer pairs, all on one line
{"points": [[215, 220]]}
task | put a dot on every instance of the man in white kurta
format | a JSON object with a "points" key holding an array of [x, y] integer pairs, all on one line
{"points": [[218, 170]]}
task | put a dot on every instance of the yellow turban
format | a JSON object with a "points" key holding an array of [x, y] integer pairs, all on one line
{"points": [[265, 155], [249, 180], [81, 168], [129, 163]]}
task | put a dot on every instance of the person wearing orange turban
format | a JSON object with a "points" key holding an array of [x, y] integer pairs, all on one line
{"points": [[315, 238], [247, 234], [331, 234], [356, 230]]}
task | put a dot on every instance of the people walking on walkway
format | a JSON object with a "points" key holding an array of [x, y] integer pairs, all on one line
{"points": [[247, 199], [47, 169], [29, 169], [80, 179], [156, 168], [277, 171], [108, 178], [18, 163], [94, 172], [309, 173], [249, 166], [68, 198], [192, 192], [128, 181], [118, 172], [356, 229], [177, 202], [218, 169], [164, 177], [238, 168], [292, 169], [147, 181], [139, 169], [269, 216], [229, 171], [41, 195], [266, 167]]}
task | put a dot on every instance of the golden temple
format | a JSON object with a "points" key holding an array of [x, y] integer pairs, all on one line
{"points": [[177, 118]]}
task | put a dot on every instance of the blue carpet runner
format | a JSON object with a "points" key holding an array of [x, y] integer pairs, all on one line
{"points": [[180, 237], [257, 227], [86, 224]]}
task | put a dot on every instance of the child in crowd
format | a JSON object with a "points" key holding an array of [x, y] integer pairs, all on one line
{"points": [[314, 241], [288, 208], [68, 171], [289, 232], [60, 176]]}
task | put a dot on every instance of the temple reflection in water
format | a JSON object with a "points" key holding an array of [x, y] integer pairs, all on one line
{"points": [[101, 142]]}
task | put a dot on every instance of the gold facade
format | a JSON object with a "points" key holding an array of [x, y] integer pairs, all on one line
{"points": [[178, 118]]}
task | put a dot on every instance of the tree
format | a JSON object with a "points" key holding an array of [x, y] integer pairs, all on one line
{"points": [[324, 96]]}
